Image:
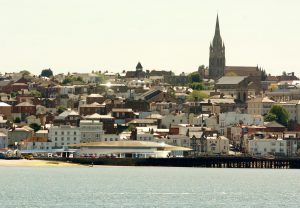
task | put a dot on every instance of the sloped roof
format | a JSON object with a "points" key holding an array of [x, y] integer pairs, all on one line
{"points": [[230, 80], [67, 113], [2, 104], [273, 124], [242, 70], [27, 104]]}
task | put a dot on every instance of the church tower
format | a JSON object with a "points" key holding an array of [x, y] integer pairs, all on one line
{"points": [[217, 55]]}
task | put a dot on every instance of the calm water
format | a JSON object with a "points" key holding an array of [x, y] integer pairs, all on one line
{"points": [[148, 187]]}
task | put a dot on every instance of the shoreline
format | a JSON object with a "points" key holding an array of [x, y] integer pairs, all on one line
{"points": [[37, 163]]}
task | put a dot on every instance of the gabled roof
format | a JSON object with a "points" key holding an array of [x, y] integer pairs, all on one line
{"points": [[67, 113], [93, 116], [27, 104]]}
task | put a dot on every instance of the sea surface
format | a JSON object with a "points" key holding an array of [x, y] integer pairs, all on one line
{"points": [[147, 187]]}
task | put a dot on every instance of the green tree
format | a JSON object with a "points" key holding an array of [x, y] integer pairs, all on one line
{"points": [[13, 94], [70, 79], [194, 77], [61, 109], [35, 93], [17, 120], [282, 115], [47, 73], [197, 86], [67, 80], [35, 127], [270, 117], [197, 95]]}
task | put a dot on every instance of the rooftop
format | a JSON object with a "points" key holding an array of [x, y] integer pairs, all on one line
{"points": [[131, 144], [229, 80]]}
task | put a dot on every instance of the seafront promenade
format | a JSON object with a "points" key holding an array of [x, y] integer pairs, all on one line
{"points": [[205, 162]]}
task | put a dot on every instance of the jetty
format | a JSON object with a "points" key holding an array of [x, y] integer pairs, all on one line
{"points": [[203, 162]]}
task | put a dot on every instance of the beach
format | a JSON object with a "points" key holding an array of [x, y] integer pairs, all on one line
{"points": [[35, 163]]}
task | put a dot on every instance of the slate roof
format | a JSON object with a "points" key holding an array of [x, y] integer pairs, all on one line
{"points": [[230, 80]]}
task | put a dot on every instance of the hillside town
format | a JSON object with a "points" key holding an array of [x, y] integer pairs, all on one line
{"points": [[141, 112]]}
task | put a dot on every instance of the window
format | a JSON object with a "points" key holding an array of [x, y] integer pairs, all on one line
{"points": [[62, 143], [62, 139], [106, 139], [74, 132], [55, 133], [62, 133], [68, 138], [68, 133], [74, 138], [55, 139]]}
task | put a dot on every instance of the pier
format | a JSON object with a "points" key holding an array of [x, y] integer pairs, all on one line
{"points": [[204, 162]]}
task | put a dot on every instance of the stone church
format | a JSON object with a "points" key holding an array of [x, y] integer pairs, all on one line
{"points": [[217, 64], [216, 55]]}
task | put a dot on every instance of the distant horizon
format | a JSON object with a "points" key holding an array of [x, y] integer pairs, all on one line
{"points": [[80, 36]]}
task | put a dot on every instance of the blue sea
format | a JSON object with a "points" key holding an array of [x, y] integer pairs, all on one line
{"points": [[147, 187]]}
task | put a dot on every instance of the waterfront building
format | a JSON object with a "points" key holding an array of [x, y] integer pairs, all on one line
{"points": [[18, 134], [35, 143], [217, 145], [265, 147], [64, 135], [131, 149], [91, 130]]}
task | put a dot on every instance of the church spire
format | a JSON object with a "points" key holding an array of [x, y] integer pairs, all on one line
{"points": [[217, 41], [217, 29], [217, 54]]}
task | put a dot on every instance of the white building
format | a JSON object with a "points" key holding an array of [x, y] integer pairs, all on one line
{"points": [[217, 145], [91, 130], [198, 120], [264, 147], [172, 119], [35, 143], [64, 135], [109, 137], [130, 149], [231, 118], [178, 140]]}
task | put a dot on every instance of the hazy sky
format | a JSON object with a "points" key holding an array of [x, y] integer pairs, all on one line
{"points": [[85, 35]]}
